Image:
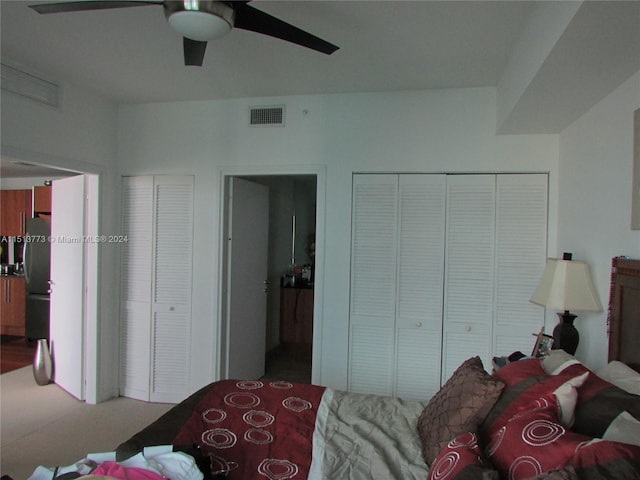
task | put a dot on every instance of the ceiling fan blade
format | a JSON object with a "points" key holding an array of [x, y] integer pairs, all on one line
{"points": [[249, 18], [193, 51], [64, 7]]}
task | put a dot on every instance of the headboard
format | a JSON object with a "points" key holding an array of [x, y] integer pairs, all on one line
{"points": [[624, 312]]}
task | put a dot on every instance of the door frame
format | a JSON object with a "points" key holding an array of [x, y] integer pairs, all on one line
{"points": [[225, 173]]}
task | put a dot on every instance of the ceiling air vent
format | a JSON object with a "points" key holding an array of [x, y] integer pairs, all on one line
{"points": [[30, 86], [266, 116]]}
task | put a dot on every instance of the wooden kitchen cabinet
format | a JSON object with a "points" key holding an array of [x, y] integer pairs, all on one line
{"points": [[41, 200], [296, 317], [12, 305], [15, 208]]}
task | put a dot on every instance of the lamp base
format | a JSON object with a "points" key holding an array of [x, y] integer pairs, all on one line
{"points": [[565, 335]]}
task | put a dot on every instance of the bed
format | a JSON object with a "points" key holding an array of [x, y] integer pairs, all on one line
{"points": [[531, 419]]}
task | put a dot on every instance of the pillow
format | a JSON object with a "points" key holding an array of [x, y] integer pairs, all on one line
{"points": [[625, 428], [533, 444], [566, 473], [622, 376], [516, 372], [598, 459], [525, 384], [459, 406], [567, 396], [599, 402], [533, 441], [556, 360], [460, 459]]}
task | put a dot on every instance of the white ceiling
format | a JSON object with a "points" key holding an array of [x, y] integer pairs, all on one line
{"points": [[131, 55]]}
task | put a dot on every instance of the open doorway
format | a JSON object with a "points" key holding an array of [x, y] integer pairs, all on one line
{"points": [[25, 176], [289, 284]]}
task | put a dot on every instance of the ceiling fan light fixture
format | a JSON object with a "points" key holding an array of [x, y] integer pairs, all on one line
{"points": [[201, 21], [199, 25]]}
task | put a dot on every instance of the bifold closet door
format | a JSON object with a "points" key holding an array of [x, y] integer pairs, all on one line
{"points": [[521, 252], [135, 287], [156, 282], [496, 251], [374, 237], [419, 285], [396, 284], [172, 278], [469, 270]]}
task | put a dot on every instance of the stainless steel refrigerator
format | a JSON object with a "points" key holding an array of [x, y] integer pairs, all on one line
{"points": [[37, 263]]}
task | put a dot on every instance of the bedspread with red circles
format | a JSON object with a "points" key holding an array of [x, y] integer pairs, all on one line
{"points": [[256, 429]]}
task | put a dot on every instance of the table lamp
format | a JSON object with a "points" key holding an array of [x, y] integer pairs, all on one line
{"points": [[566, 285]]}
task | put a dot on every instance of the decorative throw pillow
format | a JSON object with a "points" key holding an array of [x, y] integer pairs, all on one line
{"points": [[459, 406], [567, 396], [598, 459], [566, 473], [461, 459], [516, 372], [533, 442], [599, 402], [525, 384]]}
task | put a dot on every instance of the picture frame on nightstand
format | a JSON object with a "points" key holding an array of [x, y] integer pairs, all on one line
{"points": [[543, 345]]}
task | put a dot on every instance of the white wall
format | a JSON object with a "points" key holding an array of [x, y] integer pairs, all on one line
{"points": [[594, 201], [81, 136], [431, 131]]}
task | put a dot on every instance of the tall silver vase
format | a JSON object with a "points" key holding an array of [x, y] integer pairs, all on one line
{"points": [[42, 363]]}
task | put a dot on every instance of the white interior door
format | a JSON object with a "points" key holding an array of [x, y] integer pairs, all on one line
{"points": [[247, 275], [67, 283]]}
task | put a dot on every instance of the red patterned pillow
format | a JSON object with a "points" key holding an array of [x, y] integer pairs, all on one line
{"points": [[516, 372], [533, 442], [599, 402], [526, 382], [460, 459], [606, 459]]}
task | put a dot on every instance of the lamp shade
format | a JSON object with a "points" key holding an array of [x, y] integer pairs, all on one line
{"points": [[566, 285]]}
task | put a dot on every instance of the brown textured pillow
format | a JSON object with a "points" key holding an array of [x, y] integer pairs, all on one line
{"points": [[460, 406]]}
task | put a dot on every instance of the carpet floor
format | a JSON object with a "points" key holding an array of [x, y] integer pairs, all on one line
{"points": [[44, 425]]}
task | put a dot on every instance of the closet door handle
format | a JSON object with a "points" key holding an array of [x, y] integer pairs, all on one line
{"points": [[418, 324]]}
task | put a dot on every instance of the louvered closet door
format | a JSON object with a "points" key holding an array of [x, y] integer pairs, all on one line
{"points": [[172, 273], [135, 283], [156, 287], [521, 251], [469, 274], [420, 285], [373, 283]]}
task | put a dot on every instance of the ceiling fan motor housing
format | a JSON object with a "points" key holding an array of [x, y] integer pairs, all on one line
{"points": [[200, 20]]}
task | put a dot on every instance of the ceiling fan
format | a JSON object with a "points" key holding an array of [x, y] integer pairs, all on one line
{"points": [[199, 21]]}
